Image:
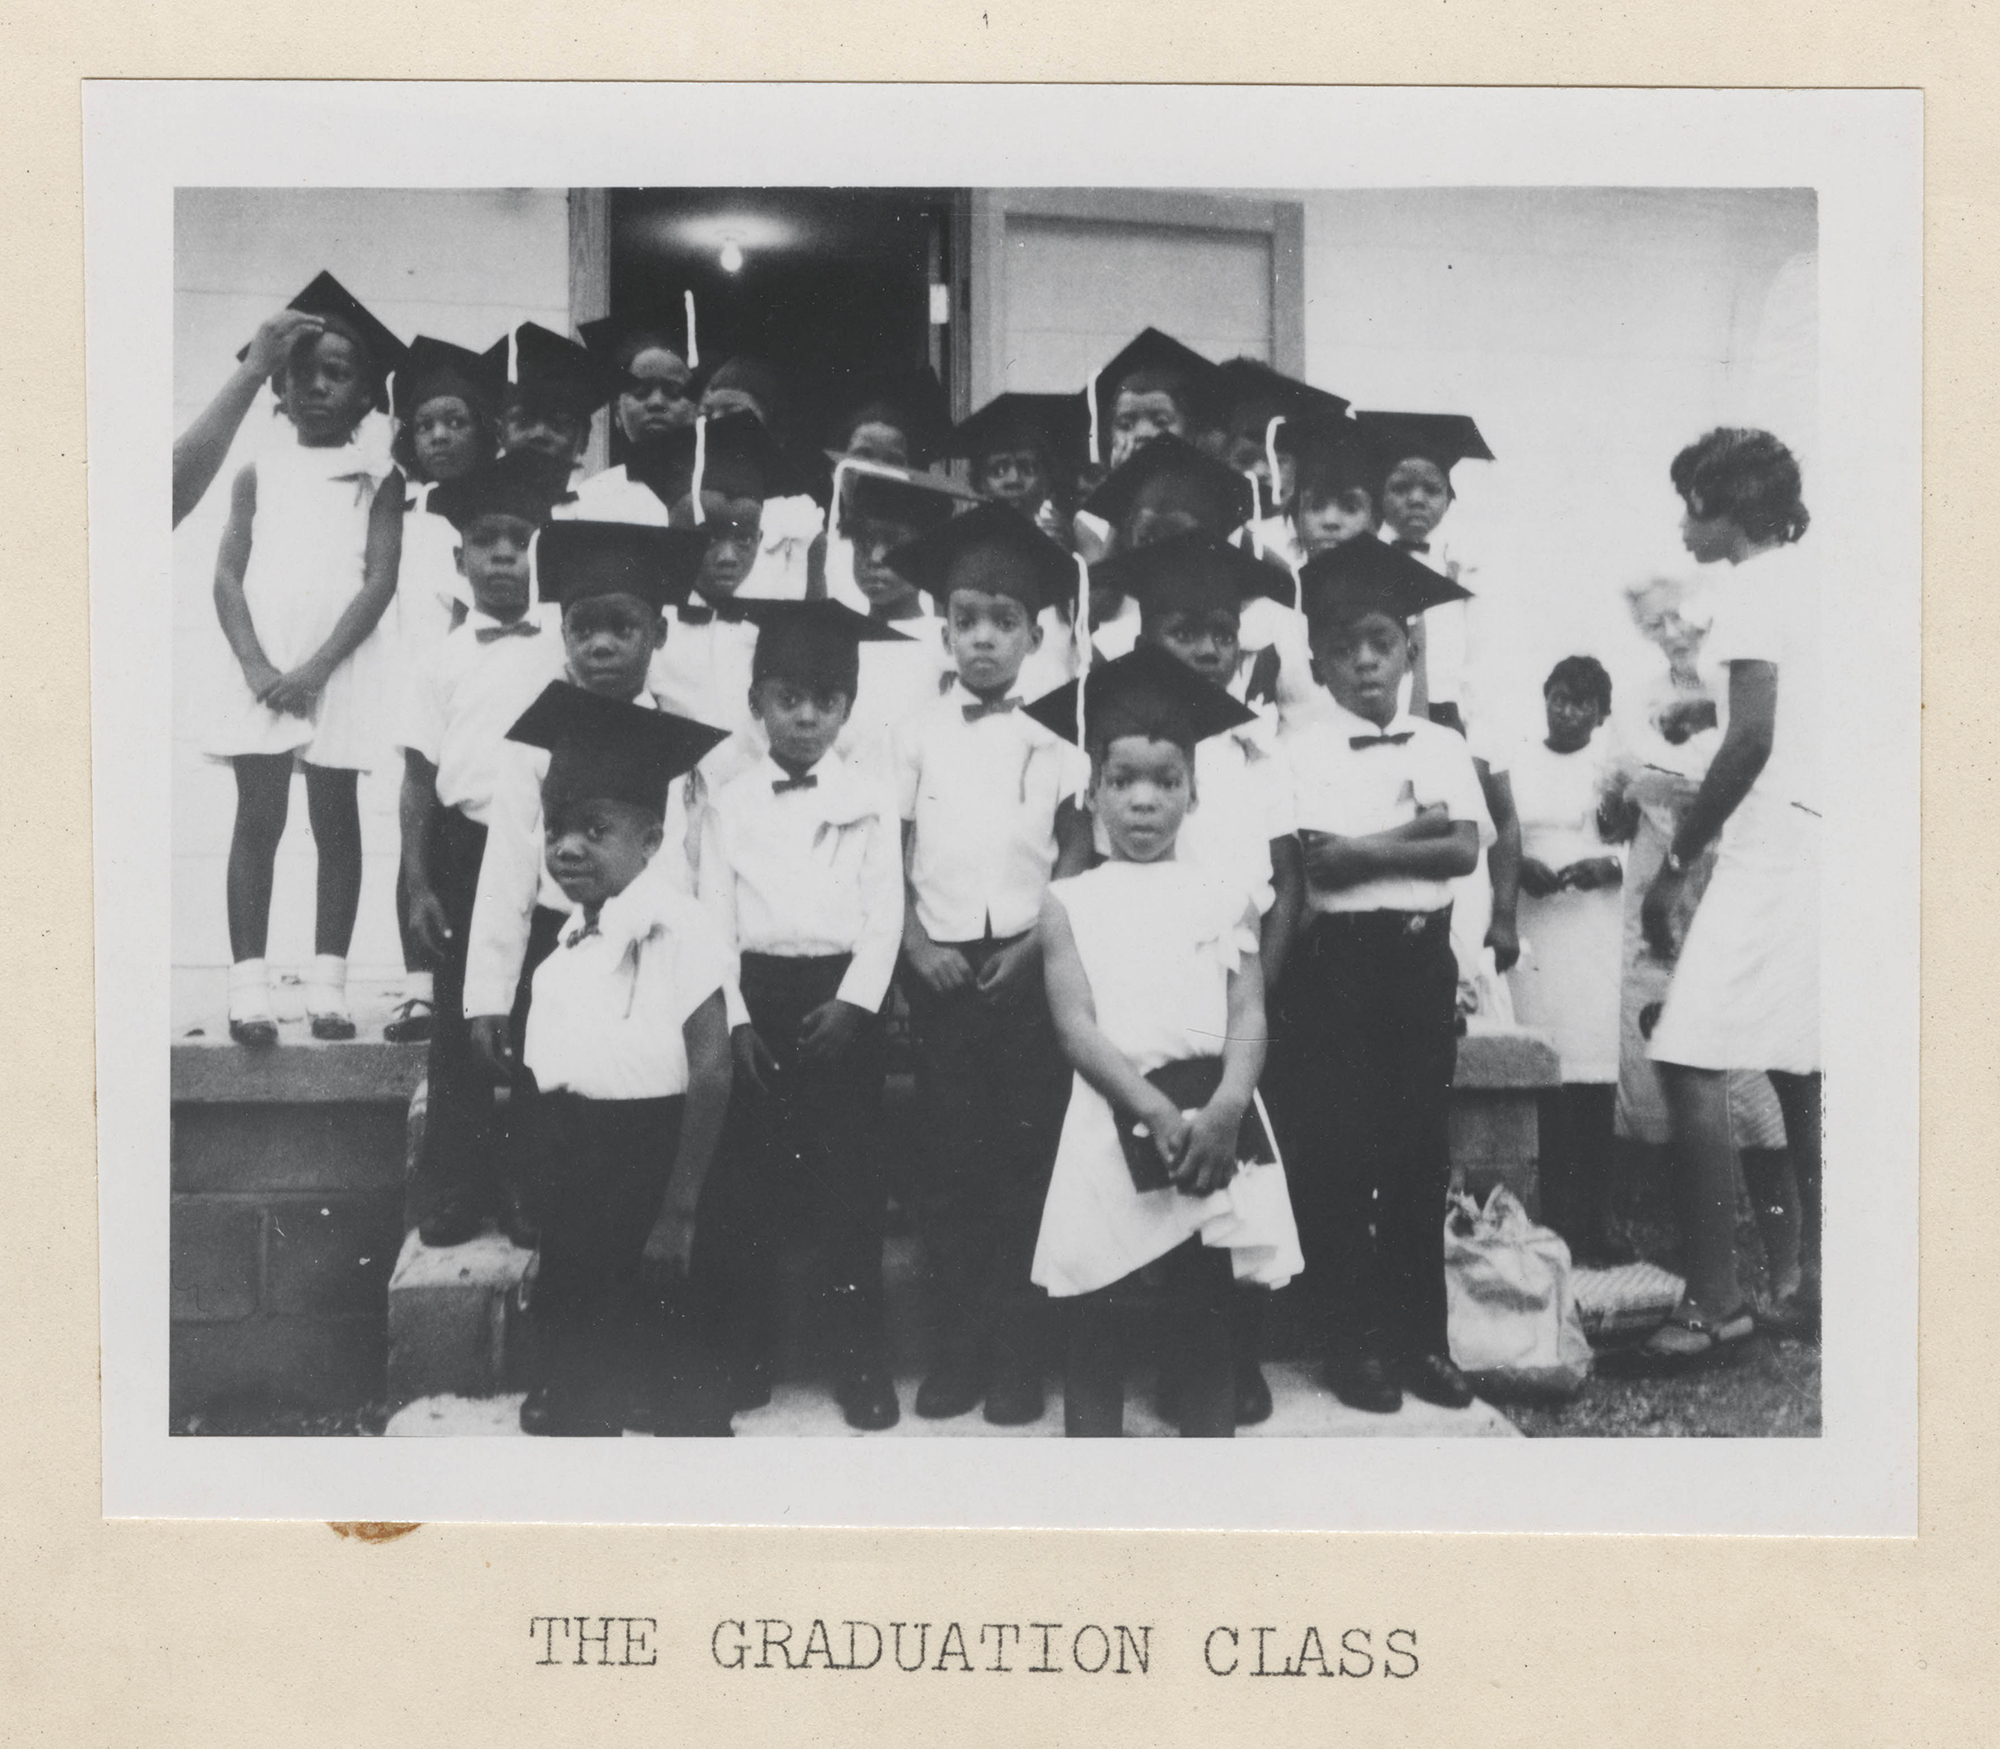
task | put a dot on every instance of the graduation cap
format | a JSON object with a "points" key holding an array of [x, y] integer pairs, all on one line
{"points": [[1184, 478], [1191, 573], [1056, 425], [1371, 576], [917, 501], [1159, 362], [1443, 439], [576, 560], [1249, 390], [1330, 455], [524, 485], [431, 368], [736, 456], [1145, 692], [911, 399], [547, 369], [816, 642], [992, 549], [604, 749], [336, 306], [616, 340]]}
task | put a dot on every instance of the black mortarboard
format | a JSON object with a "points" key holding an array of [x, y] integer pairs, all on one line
{"points": [[1371, 576], [910, 399], [1331, 455], [604, 749], [992, 549], [810, 640], [546, 369], [1145, 692], [431, 368], [1194, 571], [1160, 359], [614, 341], [920, 502], [738, 457], [342, 311], [1441, 438], [1216, 495], [1057, 425], [525, 484], [578, 559], [1251, 388]]}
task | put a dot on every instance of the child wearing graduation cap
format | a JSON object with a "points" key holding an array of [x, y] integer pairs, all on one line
{"points": [[651, 358], [458, 707], [1417, 452], [1154, 387], [552, 387], [791, 530], [305, 570], [1390, 813], [1026, 451], [1156, 989], [988, 800], [1258, 409], [802, 870], [627, 1048]]}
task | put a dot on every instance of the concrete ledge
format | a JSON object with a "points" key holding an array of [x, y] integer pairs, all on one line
{"points": [[448, 1317], [1506, 1057], [298, 1070]]}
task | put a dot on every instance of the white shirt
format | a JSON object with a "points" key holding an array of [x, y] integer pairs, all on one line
{"points": [[1356, 792], [983, 796], [786, 532], [1116, 636], [612, 1000], [428, 580], [1270, 625], [1765, 612], [798, 873], [467, 693], [614, 496], [514, 876], [896, 680], [703, 669], [1447, 630]]}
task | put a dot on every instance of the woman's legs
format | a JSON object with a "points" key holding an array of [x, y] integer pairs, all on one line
{"points": [[1093, 1370], [263, 796], [1705, 1173], [336, 829], [1799, 1096], [1200, 1287], [1774, 1200]]}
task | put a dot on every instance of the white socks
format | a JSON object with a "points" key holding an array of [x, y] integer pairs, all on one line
{"points": [[249, 991], [326, 986]]}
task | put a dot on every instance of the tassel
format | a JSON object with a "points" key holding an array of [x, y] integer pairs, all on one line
{"points": [[1083, 648], [513, 357], [1256, 504], [700, 467], [1271, 456], [1096, 442], [694, 346]]}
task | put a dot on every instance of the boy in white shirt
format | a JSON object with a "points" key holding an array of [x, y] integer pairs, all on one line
{"points": [[802, 871], [552, 388], [628, 1048], [988, 799], [1390, 812]]}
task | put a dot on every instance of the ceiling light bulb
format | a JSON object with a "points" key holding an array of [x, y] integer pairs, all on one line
{"points": [[731, 257]]}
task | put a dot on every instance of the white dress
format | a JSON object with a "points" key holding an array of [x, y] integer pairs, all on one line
{"points": [[1567, 979], [1745, 991], [1158, 944], [307, 541]]}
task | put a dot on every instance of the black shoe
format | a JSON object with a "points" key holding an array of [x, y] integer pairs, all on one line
{"points": [[1015, 1400], [259, 1035], [1366, 1384], [750, 1384], [545, 1414], [332, 1026], [412, 1023], [953, 1387], [867, 1397], [518, 1222], [1253, 1394], [453, 1224], [1431, 1378]]}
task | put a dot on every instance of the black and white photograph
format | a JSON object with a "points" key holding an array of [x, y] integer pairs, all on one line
{"points": [[1117, 802]]}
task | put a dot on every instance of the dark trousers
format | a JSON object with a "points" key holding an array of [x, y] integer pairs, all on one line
{"points": [[800, 1162], [1360, 1080], [601, 1168], [1198, 1282], [992, 1088]]}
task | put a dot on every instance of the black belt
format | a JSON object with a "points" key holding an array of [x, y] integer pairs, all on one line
{"points": [[1376, 924]]}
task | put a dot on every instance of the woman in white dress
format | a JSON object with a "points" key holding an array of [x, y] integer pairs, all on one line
{"points": [[1149, 964], [1570, 924], [1745, 991]]}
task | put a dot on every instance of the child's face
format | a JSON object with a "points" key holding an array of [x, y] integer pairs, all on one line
{"points": [[444, 437], [1415, 497], [597, 848], [610, 640], [889, 595], [1140, 415], [1159, 512], [493, 559], [1142, 789], [876, 440], [989, 637], [543, 430], [1573, 718], [734, 527], [1327, 519], [327, 389], [1362, 661], [1014, 476], [719, 403], [658, 396], [802, 720], [1210, 641]]}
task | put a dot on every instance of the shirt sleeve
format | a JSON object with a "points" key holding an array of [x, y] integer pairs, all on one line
{"points": [[701, 964], [1278, 799], [1074, 770], [510, 876], [866, 983], [421, 730], [716, 886], [1445, 774], [1749, 625], [906, 761]]}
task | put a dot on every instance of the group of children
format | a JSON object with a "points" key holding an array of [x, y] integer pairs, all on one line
{"points": [[1110, 768]]}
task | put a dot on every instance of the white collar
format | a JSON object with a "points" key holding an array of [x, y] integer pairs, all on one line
{"points": [[1345, 723], [961, 694], [640, 912], [834, 795]]}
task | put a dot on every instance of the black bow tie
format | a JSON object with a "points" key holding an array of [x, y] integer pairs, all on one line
{"points": [[520, 628], [993, 707], [780, 785], [1357, 742], [1414, 546], [727, 611]]}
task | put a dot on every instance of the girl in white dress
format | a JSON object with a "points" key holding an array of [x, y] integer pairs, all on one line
{"points": [[304, 573], [1571, 932], [1149, 963]]}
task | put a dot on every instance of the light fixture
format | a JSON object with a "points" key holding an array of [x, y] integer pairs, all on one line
{"points": [[731, 255]]}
